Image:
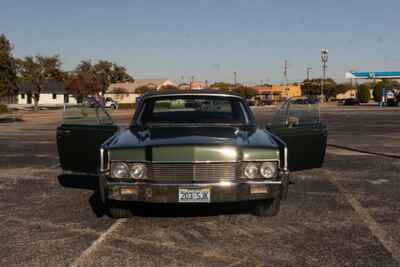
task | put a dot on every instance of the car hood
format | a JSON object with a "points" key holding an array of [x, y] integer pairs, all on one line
{"points": [[167, 136]]}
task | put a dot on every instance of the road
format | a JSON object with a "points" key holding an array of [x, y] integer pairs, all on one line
{"points": [[345, 214]]}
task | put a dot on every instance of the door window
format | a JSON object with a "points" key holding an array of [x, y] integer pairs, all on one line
{"points": [[89, 112], [297, 111]]}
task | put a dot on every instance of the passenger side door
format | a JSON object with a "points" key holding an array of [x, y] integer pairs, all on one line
{"points": [[298, 124], [79, 138]]}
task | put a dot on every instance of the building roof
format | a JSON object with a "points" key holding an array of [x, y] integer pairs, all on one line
{"points": [[50, 87], [130, 87]]}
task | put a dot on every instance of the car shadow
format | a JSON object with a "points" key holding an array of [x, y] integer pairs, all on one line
{"points": [[188, 210], [90, 182]]}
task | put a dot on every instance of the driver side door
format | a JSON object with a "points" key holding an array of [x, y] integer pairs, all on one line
{"points": [[84, 129], [298, 124]]}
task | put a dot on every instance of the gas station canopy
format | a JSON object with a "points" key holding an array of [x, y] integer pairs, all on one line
{"points": [[373, 75]]}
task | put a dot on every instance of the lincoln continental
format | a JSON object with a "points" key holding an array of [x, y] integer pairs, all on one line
{"points": [[197, 147]]}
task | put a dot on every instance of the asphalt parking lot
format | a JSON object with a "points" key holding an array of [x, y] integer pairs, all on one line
{"points": [[345, 214]]}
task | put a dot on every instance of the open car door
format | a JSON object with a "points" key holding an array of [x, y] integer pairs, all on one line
{"points": [[297, 123], [79, 138]]}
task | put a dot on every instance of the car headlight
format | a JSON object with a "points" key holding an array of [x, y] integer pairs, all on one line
{"points": [[137, 171], [251, 171], [268, 170], [119, 170]]}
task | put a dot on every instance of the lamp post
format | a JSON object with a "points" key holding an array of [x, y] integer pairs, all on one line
{"points": [[234, 78], [324, 60], [308, 73]]}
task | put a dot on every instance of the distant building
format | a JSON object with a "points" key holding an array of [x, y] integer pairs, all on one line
{"points": [[278, 92], [126, 92], [53, 93]]}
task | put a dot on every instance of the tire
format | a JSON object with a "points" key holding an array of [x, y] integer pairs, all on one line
{"points": [[267, 207], [117, 211]]}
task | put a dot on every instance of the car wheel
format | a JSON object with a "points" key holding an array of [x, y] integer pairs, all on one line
{"points": [[117, 211], [267, 207]]}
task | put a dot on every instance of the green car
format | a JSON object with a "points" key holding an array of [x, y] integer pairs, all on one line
{"points": [[192, 147]]}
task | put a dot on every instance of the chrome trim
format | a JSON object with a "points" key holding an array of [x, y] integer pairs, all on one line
{"points": [[108, 160], [221, 183], [198, 161], [190, 94], [101, 159], [285, 151]]}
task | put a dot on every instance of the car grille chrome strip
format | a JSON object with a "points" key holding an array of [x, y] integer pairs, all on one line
{"points": [[200, 172]]}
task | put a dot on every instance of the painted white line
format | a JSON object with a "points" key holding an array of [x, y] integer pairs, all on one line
{"points": [[386, 240], [85, 256]]}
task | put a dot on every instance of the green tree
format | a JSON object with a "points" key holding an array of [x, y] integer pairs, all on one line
{"points": [[8, 76], [82, 84], [107, 73], [168, 87], [222, 86], [145, 89], [363, 93], [245, 91], [37, 71]]}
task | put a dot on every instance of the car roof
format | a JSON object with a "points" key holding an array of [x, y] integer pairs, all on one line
{"points": [[191, 93]]}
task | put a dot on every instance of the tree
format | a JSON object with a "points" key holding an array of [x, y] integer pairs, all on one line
{"points": [[363, 93], [246, 91], [107, 73], [145, 89], [168, 87], [8, 76], [82, 84], [37, 71], [222, 86]]}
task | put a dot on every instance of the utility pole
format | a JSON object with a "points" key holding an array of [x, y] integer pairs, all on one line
{"points": [[191, 82], [285, 75], [235, 78], [308, 73], [324, 60]]}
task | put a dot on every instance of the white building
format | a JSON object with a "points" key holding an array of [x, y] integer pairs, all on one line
{"points": [[53, 94], [126, 92]]}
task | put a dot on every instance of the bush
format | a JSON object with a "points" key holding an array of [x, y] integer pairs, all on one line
{"points": [[127, 106], [3, 108], [363, 92]]}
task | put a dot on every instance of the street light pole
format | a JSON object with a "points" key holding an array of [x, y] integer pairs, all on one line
{"points": [[234, 78], [324, 60], [308, 73]]}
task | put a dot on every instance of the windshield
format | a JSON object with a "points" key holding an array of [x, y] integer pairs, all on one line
{"points": [[193, 110]]}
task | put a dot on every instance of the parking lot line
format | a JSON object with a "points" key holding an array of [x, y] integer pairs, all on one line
{"points": [[386, 240], [85, 256]]}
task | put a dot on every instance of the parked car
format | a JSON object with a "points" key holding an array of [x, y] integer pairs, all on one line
{"points": [[110, 103], [351, 102], [175, 152]]}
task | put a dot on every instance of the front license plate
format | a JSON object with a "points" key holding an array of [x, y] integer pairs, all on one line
{"points": [[194, 195]]}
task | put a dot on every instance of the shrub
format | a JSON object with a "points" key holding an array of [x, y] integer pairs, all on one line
{"points": [[363, 93], [3, 108], [127, 106]]}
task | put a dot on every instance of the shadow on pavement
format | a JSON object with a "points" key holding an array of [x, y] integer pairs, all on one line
{"points": [[88, 182], [140, 209]]}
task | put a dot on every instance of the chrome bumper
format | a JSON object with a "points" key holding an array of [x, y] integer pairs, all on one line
{"points": [[168, 192]]}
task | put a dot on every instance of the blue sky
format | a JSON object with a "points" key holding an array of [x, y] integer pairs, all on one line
{"points": [[210, 39]]}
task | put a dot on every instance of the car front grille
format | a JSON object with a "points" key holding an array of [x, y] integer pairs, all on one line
{"points": [[188, 172]]}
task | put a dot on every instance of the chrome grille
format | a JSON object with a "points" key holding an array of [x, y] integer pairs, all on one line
{"points": [[178, 172]]}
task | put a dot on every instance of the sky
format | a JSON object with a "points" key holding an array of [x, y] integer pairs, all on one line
{"points": [[210, 39]]}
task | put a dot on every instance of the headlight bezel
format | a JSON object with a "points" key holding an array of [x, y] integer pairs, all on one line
{"points": [[128, 172], [113, 169], [274, 165]]}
